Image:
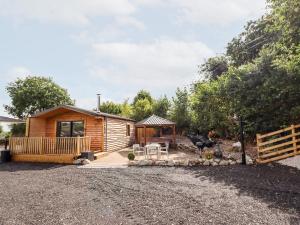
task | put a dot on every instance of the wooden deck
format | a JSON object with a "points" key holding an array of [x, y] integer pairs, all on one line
{"points": [[48, 149]]}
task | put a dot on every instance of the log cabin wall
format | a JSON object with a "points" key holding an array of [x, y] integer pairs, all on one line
{"points": [[36, 127], [93, 127], [116, 137]]}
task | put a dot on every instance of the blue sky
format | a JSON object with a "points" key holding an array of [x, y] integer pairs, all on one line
{"points": [[115, 47]]}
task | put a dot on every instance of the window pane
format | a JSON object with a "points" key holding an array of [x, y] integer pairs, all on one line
{"points": [[64, 129], [78, 129]]}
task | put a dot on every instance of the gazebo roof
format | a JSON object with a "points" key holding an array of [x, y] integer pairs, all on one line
{"points": [[10, 120], [154, 121]]}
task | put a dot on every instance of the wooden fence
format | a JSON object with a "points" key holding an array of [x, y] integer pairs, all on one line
{"points": [[49, 145], [279, 144]]}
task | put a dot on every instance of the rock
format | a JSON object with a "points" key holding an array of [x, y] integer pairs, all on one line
{"points": [[133, 163], [223, 163], [214, 163], [178, 163], [237, 146], [171, 163], [217, 160], [206, 163], [160, 163], [85, 161], [218, 152], [145, 163], [77, 161], [186, 162], [232, 162], [205, 149], [193, 162], [239, 161], [201, 161]]}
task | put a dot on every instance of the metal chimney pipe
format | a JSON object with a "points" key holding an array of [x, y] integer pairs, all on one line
{"points": [[99, 102]]}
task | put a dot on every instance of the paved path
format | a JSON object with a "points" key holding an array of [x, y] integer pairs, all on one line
{"points": [[293, 161]]}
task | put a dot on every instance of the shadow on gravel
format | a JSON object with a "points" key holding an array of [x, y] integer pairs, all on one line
{"points": [[16, 166], [276, 185]]}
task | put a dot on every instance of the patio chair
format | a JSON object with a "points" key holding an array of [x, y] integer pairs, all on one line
{"points": [[153, 149], [137, 149], [165, 149]]}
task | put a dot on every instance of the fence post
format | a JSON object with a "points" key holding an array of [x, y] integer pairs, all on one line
{"points": [[294, 139], [258, 141]]}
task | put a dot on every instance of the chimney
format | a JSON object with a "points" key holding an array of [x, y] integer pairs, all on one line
{"points": [[99, 102]]}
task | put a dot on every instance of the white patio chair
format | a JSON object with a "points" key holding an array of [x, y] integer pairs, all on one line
{"points": [[165, 149], [137, 150], [153, 149]]}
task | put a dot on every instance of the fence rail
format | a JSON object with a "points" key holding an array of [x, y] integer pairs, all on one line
{"points": [[49, 145], [279, 144]]}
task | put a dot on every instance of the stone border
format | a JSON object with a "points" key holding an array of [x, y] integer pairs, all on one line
{"points": [[188, 162]]}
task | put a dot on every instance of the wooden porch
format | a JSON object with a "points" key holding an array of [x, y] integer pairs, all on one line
{"points": [[48, 149]]}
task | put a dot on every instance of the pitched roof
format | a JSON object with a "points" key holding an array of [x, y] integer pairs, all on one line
{"points": [[10, 120], [80, 110], [154, 121]]}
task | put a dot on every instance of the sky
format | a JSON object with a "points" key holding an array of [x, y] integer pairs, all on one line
{"points": [[116, 47]]}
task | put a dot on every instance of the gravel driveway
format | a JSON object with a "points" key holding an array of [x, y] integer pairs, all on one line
{"points": [[51, 194]]}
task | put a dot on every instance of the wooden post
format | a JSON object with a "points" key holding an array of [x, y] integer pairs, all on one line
{"points": [[161, 133], [174, 134], [41, 146], [145, 134], [294, 139], [78, 145], [258, 141]]}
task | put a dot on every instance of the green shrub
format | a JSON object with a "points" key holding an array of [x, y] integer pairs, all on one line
{"points": [[208, 154], [131, 156]]}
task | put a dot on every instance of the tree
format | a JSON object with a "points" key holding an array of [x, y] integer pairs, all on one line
{"points": [[18, 130], [214, 67], [111, 107], [180, 110], [34, 94], [143, 94], [126, 109], [262, 81], [142, 109], [161, 107], [142, 105]]}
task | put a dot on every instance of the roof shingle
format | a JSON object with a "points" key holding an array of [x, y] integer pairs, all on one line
{"points": [[154, 121]]}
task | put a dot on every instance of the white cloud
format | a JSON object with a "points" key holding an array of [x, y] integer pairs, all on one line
{"points": [[80, 12], [161, 65], [219, 12], [17, 72], [67, 11]]}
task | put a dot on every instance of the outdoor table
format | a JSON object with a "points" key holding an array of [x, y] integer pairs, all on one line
{"points": [[153, 147]]}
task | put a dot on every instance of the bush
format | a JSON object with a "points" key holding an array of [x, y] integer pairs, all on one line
{"points": [[131, 156], [208, 154]]}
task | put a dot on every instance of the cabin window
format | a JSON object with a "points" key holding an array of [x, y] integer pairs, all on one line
{"points": [[70, 129], [127, 130]]}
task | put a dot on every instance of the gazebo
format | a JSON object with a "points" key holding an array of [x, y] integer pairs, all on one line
{"points": [[152, 130]]}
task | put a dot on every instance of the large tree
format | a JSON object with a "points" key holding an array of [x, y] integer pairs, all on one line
{"points": [[262, 81], [180, 110], [161, 107], [33, 94], [111, 107], [142, 105]]}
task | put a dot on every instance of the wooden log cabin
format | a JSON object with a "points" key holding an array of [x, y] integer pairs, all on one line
{"points": [[61, 134], [107, 132]]}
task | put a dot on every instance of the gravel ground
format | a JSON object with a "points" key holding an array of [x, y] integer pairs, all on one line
{"points": [[52, 194]]}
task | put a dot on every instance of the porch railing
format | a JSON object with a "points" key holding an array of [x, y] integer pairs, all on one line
{"points": [[49, 145]]}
